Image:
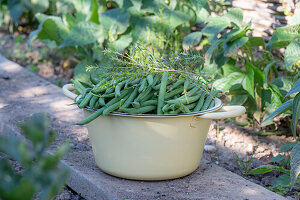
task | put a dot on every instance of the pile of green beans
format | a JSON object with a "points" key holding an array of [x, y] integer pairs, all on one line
{"points": [[153, 94]]}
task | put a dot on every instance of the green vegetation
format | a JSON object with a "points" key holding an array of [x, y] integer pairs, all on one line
{"points": [[38, 174]]}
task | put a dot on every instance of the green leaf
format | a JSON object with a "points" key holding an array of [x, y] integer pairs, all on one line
{"points": [[199, 4], [192, 39], [230, 67], [238, 99], [248, 82], [51, 28], [228, 82], [82, 34], [116, 18], [259, 76], [292, 54], [267, 168], [231, 48], [120, 44], [256, 42], [284, 84], [286, 105], [283, 180], [296, 113], [295, 164], [16, 8], [235, 15], [267, 69], [277, 159], [295, 89], [80, 72], [39, 6], [173, 18], [287, 147], [94, 14], [137, 4], [215, 26], [283, 36], [210, 51]]}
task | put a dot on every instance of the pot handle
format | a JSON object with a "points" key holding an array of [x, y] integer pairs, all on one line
{"points": [[226, 112], [66, 90]]}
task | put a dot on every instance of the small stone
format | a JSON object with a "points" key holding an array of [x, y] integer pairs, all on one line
{"points": [[250, 148], [210, 148], [63, 195]]}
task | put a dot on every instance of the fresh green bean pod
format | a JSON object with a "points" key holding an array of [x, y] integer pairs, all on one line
{"points": [[200, 102], [157, 87], [78, 86], [94, 80], [150, 79], [114, 106], [136, 104], [192, 91], [187, 100], [130, 99], [184, 108], [191, 106], [110, 90], [135, 81], [91, 117], [101, 101], [86, 100], [86, 84], [208, 100], [165, 108], [110, 95], [143, 94], [212, 104], [177, 84], [155, 80], [162, 92], [173, 112], [140, 110], [149, 103], [174, 92], [143, 85], [186, 84], [119, 87], [93, 101]]}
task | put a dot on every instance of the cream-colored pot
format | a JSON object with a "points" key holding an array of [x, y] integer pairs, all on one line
{"points": [[151, 147]]}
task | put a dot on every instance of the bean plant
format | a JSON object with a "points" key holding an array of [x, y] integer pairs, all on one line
{"points": [[246, 66], [84, 28], [27, 171]]}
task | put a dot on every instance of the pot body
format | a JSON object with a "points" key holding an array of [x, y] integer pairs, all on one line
{"points": [[148, 148]]}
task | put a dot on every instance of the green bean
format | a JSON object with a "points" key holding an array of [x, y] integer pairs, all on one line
{"points": [[200, 102], [162, 91], [178, 83], [208, 100], [136, 81], [119, 87], [184, 108], [86, 84], [140, 110], [191, 106], [110, 90], [114, 106], [85, 91], [174, 92], [149, 103], [78, 86], [130, 99], [165, 108], [86, 100], [143, 94], [136, 104], [111, 95], [186, 84], [174, 112], [212, 104], [93, 101], [187, 100], [91, 117], [155, 80], [147, 97], [95, 81], [97, 105], [101, 101], [150, 79], [157, 87], [142, 85], [192, 91]]}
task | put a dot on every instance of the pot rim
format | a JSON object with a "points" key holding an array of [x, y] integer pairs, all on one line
{"points": [[218, 105]]}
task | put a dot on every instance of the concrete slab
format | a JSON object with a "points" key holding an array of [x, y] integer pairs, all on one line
{"points": [[23, 93]]}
